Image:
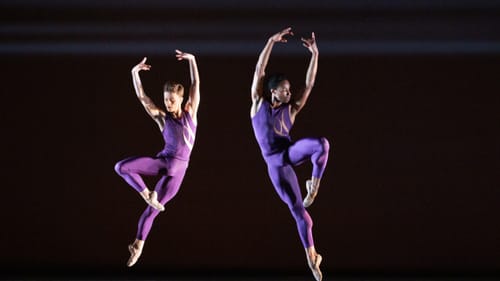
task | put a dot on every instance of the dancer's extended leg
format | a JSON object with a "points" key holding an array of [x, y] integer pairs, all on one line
{"points": [[166, 188], [286, 184]]}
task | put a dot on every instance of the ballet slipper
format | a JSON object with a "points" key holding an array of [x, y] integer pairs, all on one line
{"points": [[153, 202], [134, 255], [312, 191], [314, 266], [151, 197]]}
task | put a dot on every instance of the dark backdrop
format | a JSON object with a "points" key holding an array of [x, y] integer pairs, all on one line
{"points": [[412, 181]]}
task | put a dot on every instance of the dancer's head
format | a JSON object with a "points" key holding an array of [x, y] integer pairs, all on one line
{"points": [[278, 87], [173, 94]]}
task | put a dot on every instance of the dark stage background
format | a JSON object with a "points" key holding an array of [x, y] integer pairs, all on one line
{"points": [[407, 93]]}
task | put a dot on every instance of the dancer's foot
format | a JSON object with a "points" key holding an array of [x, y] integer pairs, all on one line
{"points": [[314, 263], [153, 202], [151, 197], [135, 253], [312, 191]]}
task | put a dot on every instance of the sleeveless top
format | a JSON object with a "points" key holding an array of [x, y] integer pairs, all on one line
{"points": [[179, 136], [271, 127]]}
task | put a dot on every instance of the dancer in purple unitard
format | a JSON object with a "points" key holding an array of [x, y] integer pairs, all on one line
{"points": [[178, 126], [272, 116]]}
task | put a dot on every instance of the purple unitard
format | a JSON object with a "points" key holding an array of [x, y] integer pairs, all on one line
{"points": [[171, 163], [271, 128]]}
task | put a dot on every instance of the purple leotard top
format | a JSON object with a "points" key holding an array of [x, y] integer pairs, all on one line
{"points": [[271, 127], [179, 135]]}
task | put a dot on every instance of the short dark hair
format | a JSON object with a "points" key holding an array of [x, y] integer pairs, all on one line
{"points": [[273, 80], [174, 87]]}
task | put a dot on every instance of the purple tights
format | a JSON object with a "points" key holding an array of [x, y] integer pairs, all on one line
{"points": [[286, 184], [172, 173]]}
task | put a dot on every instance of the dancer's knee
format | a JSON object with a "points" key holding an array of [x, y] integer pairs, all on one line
{"points": [[297, 211], [300, 214], [118, 168], [325, 144], [151, 214]]}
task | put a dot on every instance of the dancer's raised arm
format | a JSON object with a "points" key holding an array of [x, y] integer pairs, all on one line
{"points": [[153, 111], [194, 90], [260, 68], [310, 44]]}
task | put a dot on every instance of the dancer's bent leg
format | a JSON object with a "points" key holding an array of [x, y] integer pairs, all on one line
{"points": [[131, 170], [316, 150]]}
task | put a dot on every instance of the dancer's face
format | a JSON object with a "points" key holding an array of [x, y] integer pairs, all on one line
{"points": [[282, 92], [172, 101]]}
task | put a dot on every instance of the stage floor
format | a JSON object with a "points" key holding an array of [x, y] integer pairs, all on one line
{"points": [[328, 277]]}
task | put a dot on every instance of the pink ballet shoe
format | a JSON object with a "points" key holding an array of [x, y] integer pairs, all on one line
{"points": [[311, 194], [134, 255], [153, 202], [315, 268]]}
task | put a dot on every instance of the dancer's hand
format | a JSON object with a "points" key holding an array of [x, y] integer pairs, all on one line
{"points": [[310, 43], [279, 37], [141, 66], [183, 56]]}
